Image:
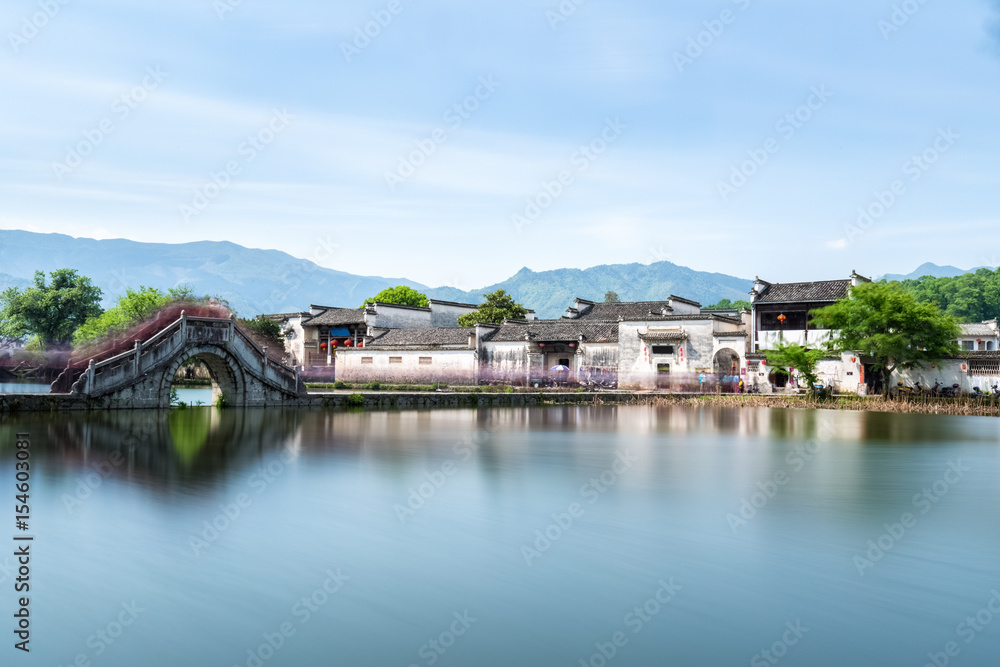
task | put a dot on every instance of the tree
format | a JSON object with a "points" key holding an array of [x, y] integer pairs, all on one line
{"points": [[499, 306], [726, 304], [787, 356], [50, 311], [268, 331], [889, 324], [131, 308], [400, 294], [611, 297]]}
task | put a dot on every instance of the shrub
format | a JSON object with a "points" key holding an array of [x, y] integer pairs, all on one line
{"points": [[355, 400]]}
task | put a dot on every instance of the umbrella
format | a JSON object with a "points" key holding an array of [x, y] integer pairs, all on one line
{"points": [[559, 368]]}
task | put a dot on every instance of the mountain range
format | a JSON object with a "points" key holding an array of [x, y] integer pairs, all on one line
{"points": [[930, 269], [269, 281], [258, 281]]}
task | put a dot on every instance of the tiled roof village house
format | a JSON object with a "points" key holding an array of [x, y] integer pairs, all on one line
{"points": [[784, 311], [640, 345], [311, 338]]}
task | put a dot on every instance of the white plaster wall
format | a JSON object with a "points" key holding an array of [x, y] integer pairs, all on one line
{"points": [[505, 361], [389, 317], [948, 372], [446, 366], [443, 315]]}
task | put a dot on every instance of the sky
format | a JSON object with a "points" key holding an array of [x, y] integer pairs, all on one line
{"points": [[453, 143]]}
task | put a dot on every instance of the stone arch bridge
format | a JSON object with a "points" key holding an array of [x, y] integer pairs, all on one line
{"points": [[241, 371]]}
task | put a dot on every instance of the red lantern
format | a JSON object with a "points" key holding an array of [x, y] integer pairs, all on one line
{"points": [[853, 360], [782, 318], [322, 346], [361, 343], [347, 343], [541, 345]]}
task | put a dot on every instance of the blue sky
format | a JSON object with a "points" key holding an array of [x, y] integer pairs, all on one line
{"points": [[738, 136]]}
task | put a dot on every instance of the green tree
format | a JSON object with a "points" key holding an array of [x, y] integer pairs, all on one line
{"points": [[400, 294], [131, 308], [52, 311], [268, 331], [787, 356], [499, 306], [886, 322], [611, 297], [726, 304]]}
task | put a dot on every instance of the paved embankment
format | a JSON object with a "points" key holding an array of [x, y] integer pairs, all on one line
{"points": [[342, 399]]}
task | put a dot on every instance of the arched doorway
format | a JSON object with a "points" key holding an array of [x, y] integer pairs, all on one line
{"points": [[726, 366]]}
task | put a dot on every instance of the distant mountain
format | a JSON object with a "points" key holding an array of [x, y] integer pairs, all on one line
{"points": [[930, 269], [269, 281], [550, 293], [253, 281]]}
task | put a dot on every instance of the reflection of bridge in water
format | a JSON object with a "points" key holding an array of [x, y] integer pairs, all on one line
{"points": [[242, 374]]}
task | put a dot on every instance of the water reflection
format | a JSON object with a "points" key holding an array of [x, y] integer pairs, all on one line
{"points": [[218, 523]]}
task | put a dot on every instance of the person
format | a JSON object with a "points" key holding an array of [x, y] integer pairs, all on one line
{"points": [[741, 386], [701, 382]]}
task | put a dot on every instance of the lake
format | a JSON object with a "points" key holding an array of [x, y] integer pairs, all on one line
{"points": [[535, 536]]}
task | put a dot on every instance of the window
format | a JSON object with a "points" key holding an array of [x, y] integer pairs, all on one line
{"points": [[564, 362], [425, 361], [663, 349], [968, 345], [395, 360], [984, 367], [753, 366], [366, 360], [794, 321]]}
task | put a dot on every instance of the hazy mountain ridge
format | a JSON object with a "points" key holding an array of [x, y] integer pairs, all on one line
{"points": [[256, 281], [931, 269]]}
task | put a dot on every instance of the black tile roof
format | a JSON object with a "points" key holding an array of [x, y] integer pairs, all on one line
{"points": [[454, 303], [637, 310], [338, 317], [823, 290], [555, 330], [429, 337]]}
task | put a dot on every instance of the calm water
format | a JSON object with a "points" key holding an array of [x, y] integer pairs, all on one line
{"points": [[323, 545], [23, 388]]}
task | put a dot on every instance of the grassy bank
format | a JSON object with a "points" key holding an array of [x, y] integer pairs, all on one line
{"points": [[931, 406]]}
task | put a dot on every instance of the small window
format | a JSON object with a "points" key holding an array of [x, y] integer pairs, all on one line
{"points": [[663, 349], [366, 360], [984, 367], [395, 360], [564, 362], [968, 345], [425, 361]]}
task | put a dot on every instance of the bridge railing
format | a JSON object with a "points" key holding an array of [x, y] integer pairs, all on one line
{"points": [[130, 365], [281, 372]]}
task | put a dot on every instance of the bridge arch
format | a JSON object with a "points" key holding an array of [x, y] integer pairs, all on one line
{"points": [[227, 376]]}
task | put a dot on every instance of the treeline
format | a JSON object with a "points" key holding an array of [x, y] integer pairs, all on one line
{"points": [[971, 297]]}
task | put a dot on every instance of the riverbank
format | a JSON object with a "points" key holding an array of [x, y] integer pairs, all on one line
{"points": [[383, 400], [926, 405]]}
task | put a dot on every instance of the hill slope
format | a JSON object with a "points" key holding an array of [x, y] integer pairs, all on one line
{"points": [[256, 281]]}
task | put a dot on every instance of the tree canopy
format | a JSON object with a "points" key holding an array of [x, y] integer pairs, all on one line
{"points": [[611, 297], [787, 356], [131, 308], [971, 297], [886, 322], [499, 306], [267, 331], [52, 311], [400, 294], [726, 304]]}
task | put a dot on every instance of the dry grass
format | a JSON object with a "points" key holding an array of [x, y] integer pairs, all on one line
{"points": [[918, 405]]}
